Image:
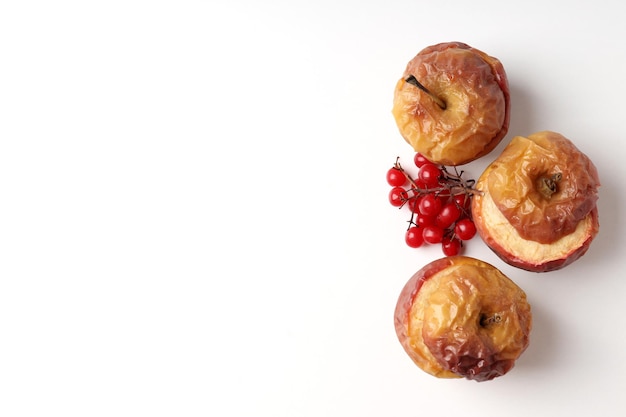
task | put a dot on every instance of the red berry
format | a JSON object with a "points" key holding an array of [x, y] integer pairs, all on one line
{"points": [[429, 205], [465, 229], [420, 160], [432, 234], [420, 184], [463, 200], [424, 221], [449, 213], [450, 246], [413, 237], [414, 203], [437, 216], [444, 196], [397, 196], [429, 174], [395, 177]]}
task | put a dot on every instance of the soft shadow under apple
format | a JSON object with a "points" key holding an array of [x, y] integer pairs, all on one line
{"points": [[543, 347], [609, 243]]}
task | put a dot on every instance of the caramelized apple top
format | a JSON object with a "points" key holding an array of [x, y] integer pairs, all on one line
{"points": [[477, 322], [452, 103], [543, 185]]}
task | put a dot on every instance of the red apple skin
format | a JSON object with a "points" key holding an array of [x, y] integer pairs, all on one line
{"points": [[408, 294], [403, 308]]}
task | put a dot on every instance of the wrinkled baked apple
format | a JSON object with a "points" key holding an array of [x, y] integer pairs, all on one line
{"points": [[462, 317], [536, 206], [452, 103]]}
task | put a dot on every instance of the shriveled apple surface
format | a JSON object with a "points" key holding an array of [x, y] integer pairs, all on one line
{"points": [[536, 205], [461, 317], [474, 89], [514, 182]]}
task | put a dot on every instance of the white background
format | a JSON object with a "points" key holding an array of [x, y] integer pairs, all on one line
{"points": [[194, 216]]}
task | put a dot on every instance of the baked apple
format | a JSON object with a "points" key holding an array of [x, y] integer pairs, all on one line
{"points": [[536, 205], [452, 103], [462, 317]]}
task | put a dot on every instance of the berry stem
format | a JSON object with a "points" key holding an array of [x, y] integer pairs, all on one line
{"points": [[454, 183], [408, 177]]}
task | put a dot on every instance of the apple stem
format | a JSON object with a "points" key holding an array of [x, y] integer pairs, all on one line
{"points": [[548, 185], [487, 320], [413, 81]]}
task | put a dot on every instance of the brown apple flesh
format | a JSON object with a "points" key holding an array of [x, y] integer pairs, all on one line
{"points": [[461, 317], [523, 224], [474, 88]]}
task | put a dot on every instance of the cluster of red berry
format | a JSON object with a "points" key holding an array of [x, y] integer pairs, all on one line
{"points": [[439, 202]]}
